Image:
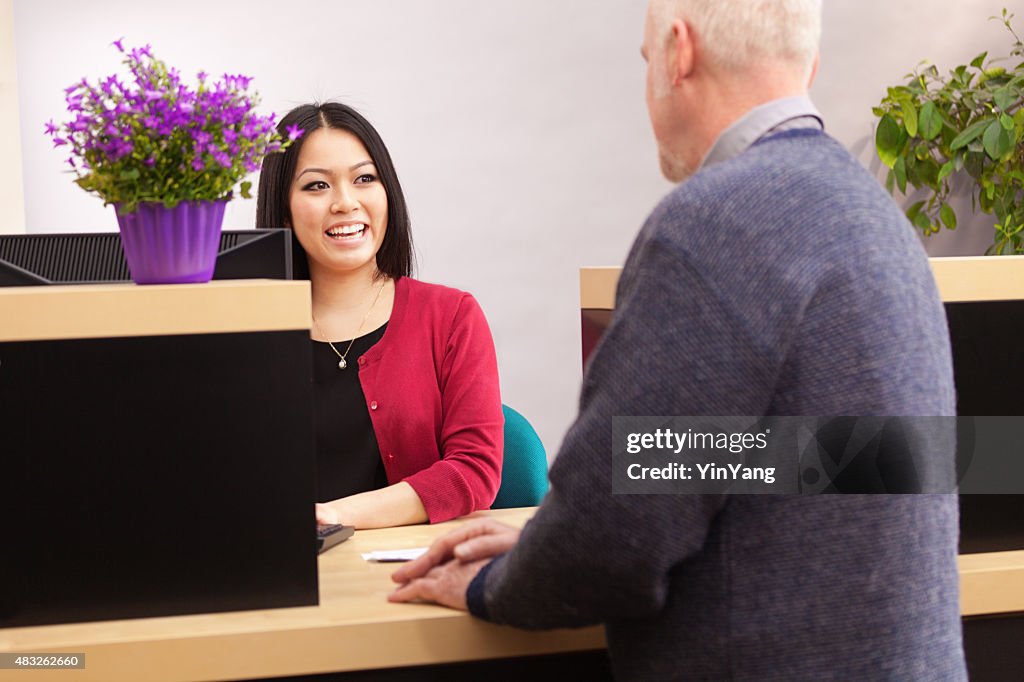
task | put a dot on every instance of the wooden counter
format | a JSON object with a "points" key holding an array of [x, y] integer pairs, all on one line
{"points": [[353, 628], [117, 310]]}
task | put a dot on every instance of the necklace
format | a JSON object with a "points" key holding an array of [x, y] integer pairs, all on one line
{"points": [[342, 363]]}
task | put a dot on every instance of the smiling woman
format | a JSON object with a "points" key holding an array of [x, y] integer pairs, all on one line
{"points": [[407, 408]]}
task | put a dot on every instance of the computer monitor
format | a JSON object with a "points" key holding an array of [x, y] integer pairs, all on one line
{"points": [[91, 258], [156, 450], [984, 300]]}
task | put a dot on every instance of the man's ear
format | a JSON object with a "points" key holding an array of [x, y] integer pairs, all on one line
{"points": [[814, 69], [681, 52]]}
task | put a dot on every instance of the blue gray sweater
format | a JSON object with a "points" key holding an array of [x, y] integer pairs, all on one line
{"points": [[782, 282]]}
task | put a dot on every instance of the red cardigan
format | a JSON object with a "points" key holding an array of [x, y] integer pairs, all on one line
{"points": [[431, 387]]}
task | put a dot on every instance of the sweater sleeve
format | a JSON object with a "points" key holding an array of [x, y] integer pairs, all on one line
{"points": [[467, 477], [589, 556]]}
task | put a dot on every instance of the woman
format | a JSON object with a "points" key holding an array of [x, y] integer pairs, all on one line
{"points": [[407, 410]]}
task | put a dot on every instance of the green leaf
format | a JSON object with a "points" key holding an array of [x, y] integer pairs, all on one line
{"points": [[909, 116], [1004, 98], [1006, 121], [244, 190], [978, 61], [879, 112], [928, 171], [922, 221], [972, 132], [984, 200], [945, 171], [889, 140], [974, 163], [997, 141], [929, 122], [899, 169], [890, 181], [912, 176], [948, 216], [914, 210]]}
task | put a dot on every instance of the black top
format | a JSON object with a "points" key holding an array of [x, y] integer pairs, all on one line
{"points": [[347, 456]]}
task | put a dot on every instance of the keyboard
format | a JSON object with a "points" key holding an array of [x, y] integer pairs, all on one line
{"points": [[330, 535]]}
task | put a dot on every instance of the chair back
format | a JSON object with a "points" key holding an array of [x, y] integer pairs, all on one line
{"points": [[524, 473]]}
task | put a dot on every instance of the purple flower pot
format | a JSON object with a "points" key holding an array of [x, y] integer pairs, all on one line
{"points": [[172, 245]]}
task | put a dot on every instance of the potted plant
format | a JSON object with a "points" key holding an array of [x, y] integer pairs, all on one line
{"points": [[969, 121], [168, 157]]}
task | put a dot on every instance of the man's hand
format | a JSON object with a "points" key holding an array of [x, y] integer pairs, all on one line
{"points": [[480, 539], [445, 585]]}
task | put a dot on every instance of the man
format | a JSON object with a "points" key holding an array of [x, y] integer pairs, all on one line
{"points": [[779, 279]]}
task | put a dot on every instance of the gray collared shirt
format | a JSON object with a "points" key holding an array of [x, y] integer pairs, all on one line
{"points": [[775, 116]]}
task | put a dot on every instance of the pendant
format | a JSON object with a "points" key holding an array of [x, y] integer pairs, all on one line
{"points": [[342, 364]]}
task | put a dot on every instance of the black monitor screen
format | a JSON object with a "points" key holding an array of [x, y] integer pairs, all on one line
{"points": [[90, 258]]}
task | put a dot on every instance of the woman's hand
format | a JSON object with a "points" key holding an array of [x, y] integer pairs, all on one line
{"points": [[326, 515], [396, 505]]}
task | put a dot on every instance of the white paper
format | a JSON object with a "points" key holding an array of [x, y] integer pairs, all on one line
{"points": [[383, 555]]}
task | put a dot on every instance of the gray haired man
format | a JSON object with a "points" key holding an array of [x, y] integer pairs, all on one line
{"points": [[777, 279]]}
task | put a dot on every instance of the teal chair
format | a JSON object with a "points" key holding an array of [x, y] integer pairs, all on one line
{"points": [[524, 472]]}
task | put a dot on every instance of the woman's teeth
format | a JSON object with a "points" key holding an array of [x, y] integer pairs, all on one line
{"points": [[346, 231]]}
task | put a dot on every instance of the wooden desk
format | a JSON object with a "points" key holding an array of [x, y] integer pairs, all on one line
{"points": [[353, 628]]}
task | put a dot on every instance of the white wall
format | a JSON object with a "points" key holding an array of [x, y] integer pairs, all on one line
{"points": [[517, 126], [12, 206]]}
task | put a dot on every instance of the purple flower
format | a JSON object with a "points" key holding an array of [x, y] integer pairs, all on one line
{"points": [[209, 133], [222, 158], [109, 84]]}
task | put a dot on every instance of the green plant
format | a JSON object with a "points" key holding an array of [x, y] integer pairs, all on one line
{"points": [[972, 120]]}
